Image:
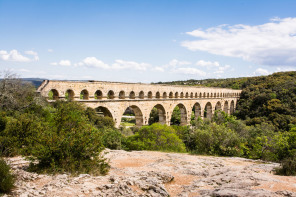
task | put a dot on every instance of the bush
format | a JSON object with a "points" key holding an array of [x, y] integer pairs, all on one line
{"points": [[216, 140], [6, 178], [156, 137], [69, 144], [288, 166], [112, 138], [99, 121]]}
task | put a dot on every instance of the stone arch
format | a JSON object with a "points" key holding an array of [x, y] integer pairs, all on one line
{"points": [[171, 95], [164, 95], [141, 95], [110, 94], [149, 95], [161, 113], [208, 110], [183, 113], [132, 95], [218, 95], [98, 95], [69, 95], [176, 95], [186, 95], [225, 109], [121, 94], [200, 95], [218, 106], [208, 95], [232, 107], [215, 95], [204, 95], [157, 95], [138, 114], [181, 95], [196, 95], [197, 110], [84, 94], [54, 96], [103, 111], [211, 95]]}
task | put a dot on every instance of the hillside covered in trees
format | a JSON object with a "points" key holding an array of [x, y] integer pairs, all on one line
{"points": [[270, 99]]}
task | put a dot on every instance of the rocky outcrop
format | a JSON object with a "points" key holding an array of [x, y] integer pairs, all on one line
{"points": [[147, 173]]}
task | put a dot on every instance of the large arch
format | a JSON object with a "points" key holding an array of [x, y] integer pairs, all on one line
{"points": [[208, 110], [218, 106], [103, 111], [160, 112], [84, 95], [138, 115], [183, 113], [231, 107], [69, 95], [225, 109], [197, 110]]}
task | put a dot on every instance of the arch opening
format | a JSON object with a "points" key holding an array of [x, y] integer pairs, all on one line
{"points": [[132, 95], [141, 95], [171, 95], [132, 116], [164, 95], [103, 111], [150, 95], [157, 95], [218, 106], [181, 95], [53, 94], [232, 107], [196, 111], [121, 95], [179, 115], [157, 114], [186, 95], [225, 109], [110, 95], [69, 95], [98, 95], [176, 95], [84, 95], [208, 111]]}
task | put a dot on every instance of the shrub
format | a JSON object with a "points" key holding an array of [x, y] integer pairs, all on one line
{"points": [[99, 121], [112, 138], [69, 144], [216, 140], [156, 137], [288, 166], [6, 178]]}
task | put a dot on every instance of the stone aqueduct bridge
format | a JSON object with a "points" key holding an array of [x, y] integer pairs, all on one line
{"points": [[113, 98]]}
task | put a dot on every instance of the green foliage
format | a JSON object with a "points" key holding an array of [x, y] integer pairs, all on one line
{"points": [[70, 143], [112, 138], [99, 121], [288, 166], [176, 116], [6, 178], [156, 137], [153, 117]]}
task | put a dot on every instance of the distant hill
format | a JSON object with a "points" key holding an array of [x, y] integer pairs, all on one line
{"points": [[35, 81]]}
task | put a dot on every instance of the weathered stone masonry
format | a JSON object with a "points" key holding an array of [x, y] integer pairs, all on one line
{"points": [[114, 98]]}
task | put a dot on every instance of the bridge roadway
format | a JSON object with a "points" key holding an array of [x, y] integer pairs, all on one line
{"points": [[113, 98]]}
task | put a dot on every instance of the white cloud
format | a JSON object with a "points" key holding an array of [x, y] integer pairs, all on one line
{"points": [[121, 64], [93, 62], [207, 63], [261, 71], [222, 69], [35, 54], [272, 43], [50, 50], [158, 68], [189, 71], [13, 55], [175, 62], [62, 63]]}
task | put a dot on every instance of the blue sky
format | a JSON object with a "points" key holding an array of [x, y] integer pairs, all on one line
{"points": [[147, 41]]}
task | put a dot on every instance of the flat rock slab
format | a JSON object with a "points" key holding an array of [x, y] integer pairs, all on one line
{"points": [[149, 173]]}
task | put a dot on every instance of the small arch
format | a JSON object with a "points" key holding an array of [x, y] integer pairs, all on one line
{"points": [[132, 95], [141, 95], [110, 95], [84, 95], [218, 95], [103, 111], [122, 95], [160, 115], [182, 95], [232, 107], [171, 95], [98, 95], [196, 95], [164, 95], [215, 95], [204, 95], [53, 94], [176, 95], [200, 95], [208, 110], [211, 95], [149, 95], [208, 95], [69, 95], [186, 95], [225, 109], [157, 95]]}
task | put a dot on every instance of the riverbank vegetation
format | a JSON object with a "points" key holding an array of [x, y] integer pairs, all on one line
{"points": [[67, 137]]}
